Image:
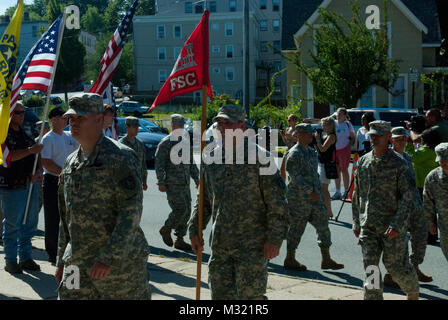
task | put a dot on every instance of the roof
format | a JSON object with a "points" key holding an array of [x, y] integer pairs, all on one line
{"points": [[296, 13]]}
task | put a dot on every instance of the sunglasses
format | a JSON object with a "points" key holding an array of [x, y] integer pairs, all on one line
{"points": [[19, 112]]}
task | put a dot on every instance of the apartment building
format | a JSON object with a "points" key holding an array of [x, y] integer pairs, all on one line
{"points": [[158, 40]]}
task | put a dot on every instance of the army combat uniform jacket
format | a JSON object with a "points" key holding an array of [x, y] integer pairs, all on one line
{"points": [[140, 150], [100, 201]]}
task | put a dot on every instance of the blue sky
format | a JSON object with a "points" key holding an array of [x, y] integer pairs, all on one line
{"points": [[5, 4]]}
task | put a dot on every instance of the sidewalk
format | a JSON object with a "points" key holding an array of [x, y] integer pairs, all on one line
{"points": [[171, 279]]}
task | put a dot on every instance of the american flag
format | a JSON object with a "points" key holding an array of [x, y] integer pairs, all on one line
{"points": [[36, 70], [113, 52]]}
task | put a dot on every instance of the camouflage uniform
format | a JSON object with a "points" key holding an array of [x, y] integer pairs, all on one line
{"points": [[435, 197], [100, 201], [138, 147], [301, 165], [382, 198], [176, 177], [249, 210]]}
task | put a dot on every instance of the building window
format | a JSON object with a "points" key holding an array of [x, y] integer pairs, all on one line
{"points": [[229, 29], [212, 6], [216, 70], [275, 5], [176, 52], [188, 7], [400, 90], [161, 32], [277, 45], [263, 46], [215, 26], [216, 49], [263, 25], [161, 54], [276, 25], [162, 76], [199, 7], [232, 5], [230, 73], [277, 66], [34, 31], [367, 98], [263, 4], [177, 31], [229, 51]]}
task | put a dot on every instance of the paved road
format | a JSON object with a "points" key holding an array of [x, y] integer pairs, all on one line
{"points": [[344, 249]]}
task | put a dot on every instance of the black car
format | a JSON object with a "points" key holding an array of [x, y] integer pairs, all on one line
{"points": [[29, 123], [149, 138]]}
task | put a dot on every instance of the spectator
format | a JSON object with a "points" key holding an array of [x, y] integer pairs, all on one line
{"points": [[14, 189], [434, 120], [345, 135], [288, 137], [362, 136], [46, 128], [108, 121], [326, 151], [58, 145]]}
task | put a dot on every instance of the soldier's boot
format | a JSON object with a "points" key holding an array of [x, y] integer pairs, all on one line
{"points": [[291, 263], [180, 244], [166, 235], [412, 296], [421, 276], [389, 282], [327, 262]]}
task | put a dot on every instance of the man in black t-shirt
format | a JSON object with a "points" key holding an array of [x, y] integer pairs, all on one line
{"points": [[14, 186]]}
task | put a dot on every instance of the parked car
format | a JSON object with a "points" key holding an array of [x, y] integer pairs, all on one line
{"points": [[132, 107], [149, 138], [152, 126]]}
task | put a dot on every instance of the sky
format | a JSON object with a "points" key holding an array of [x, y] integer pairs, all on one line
{"points": [[5, 4]]}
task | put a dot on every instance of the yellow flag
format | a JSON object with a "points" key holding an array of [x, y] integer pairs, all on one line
{"points": [[9, 46]]}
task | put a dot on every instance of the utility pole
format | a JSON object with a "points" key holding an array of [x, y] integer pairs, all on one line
{"points": [[246, 65]]}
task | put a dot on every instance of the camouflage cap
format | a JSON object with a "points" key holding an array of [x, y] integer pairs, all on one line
{"points": [[304, 127], [84, 104], [399, 132], [177, 119], [132, 121], [379, 127], [442, 152], [231, 112]]}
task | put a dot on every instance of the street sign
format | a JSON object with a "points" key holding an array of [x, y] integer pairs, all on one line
{"points": [[413, 75]]}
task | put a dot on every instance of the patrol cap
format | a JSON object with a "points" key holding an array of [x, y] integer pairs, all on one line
{"points": [[304, 127], [399, 132], [39, 124], [56, 112], [132, 121], [379, 127], [177, 119], [442, 152], [231, 112], [85, 103]]}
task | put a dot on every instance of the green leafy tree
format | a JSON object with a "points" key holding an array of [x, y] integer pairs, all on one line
{"points": [[349, 58], [92, 21], [71, 57], [113, 14]]}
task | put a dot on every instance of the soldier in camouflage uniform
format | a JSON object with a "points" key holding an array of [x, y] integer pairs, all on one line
{"points": [[305, 201], [100, 201], [417, 223], [131, 140], [174, 179], [250, 216], [435, 197], [381, 202]]}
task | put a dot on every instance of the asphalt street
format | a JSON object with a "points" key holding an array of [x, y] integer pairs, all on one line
{"points": [[345, 248]]}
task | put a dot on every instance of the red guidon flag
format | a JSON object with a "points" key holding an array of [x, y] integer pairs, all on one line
{"points": [[190, 71]]}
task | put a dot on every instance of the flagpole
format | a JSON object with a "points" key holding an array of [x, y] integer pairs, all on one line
{"points": [[50, 87], [201, 193]]}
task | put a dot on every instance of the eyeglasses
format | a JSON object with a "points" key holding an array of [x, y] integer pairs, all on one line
{"points": [[19, 112]]}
